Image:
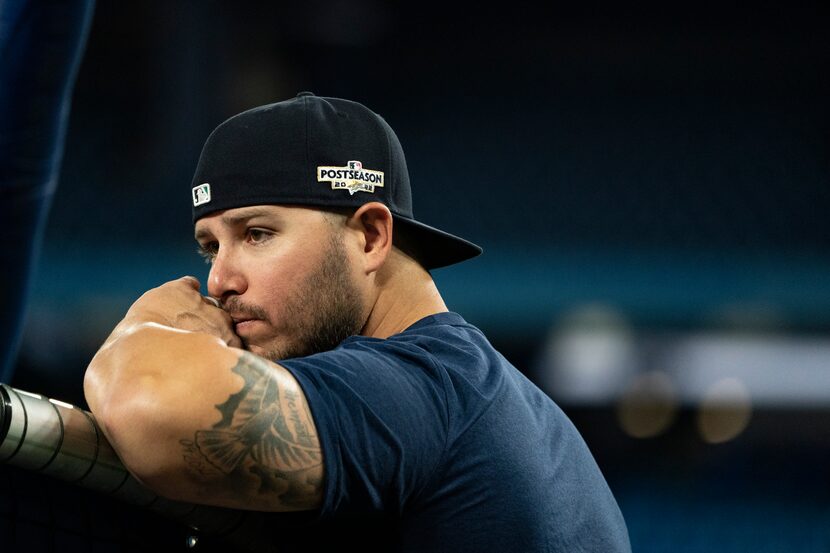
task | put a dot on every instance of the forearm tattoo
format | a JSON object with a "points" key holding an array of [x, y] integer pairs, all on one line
{"points": [[264, 434]]}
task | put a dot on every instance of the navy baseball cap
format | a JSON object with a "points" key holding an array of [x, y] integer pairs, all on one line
{"points": [[323, 152]]}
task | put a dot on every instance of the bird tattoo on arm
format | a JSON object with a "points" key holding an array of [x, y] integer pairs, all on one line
{"points": [[263, 433]]}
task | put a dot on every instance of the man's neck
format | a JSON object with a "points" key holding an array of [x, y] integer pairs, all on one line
{"points": [[403, 300]]}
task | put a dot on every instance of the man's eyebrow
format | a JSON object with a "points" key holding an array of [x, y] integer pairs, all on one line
{"points": [[236, 219], [239, 218], [201, 233]]}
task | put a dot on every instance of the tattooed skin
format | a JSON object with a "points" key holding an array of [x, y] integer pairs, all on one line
{"points": [[264, 434]]}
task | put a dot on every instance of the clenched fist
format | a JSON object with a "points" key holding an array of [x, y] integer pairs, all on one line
{"points": [[178, 304]]}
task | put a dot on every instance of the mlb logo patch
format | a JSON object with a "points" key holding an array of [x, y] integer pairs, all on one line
{"points": [[201, 194]]}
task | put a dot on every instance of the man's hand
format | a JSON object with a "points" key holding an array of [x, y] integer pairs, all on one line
{"points": [[164, 382], [178, 304]]}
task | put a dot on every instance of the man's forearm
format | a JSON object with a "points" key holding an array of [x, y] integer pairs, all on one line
{"points": [[186, 414], [144, 382]]}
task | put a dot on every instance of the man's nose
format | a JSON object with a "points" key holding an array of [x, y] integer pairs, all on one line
{"points": [[226, 277]]}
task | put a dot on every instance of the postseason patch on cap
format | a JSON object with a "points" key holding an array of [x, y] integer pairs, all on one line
{"points": [[353, 177], [201, 194]]}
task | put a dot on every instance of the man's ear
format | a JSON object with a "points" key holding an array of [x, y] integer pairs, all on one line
{"points": [[374, 222]]}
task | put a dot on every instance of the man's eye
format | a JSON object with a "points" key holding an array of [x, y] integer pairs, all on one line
{"points": [[208, 252], [256, 235]]}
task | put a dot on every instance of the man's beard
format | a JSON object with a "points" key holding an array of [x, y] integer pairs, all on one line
{"points": [[324, 312]]}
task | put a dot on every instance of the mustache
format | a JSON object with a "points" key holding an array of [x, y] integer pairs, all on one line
{"points": [[239, 309]]}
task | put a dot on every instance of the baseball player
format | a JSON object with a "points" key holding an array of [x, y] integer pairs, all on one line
{"points": [[322, 373]]}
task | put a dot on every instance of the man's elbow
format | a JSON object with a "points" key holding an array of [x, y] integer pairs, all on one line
{"points": [[130, 399], [133, 423]]}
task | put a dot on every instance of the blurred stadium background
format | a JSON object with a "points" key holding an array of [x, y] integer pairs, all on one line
{"points": [[651, 187]]}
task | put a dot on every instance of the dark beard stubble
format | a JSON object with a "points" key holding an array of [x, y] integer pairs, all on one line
{"points": [[326, 310]]}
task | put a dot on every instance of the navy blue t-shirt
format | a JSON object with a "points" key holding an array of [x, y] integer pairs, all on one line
{"points": [[435, 434]]}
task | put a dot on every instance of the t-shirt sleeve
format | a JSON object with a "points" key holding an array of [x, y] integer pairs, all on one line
{"points": [[381, 416]]}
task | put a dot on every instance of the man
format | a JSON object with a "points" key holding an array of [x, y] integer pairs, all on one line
{"points": [[324, 372]]}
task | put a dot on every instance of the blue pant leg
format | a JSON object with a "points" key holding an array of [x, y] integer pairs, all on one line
{"points": [[41, 45]]}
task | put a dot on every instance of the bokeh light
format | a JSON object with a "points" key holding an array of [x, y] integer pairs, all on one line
{"points": [[648, 406], [725, 411], [588, 356]]}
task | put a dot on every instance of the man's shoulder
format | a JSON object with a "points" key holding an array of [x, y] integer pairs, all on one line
{"points": [[440, 347], [440, 336], [442, 340], [448, 326]]}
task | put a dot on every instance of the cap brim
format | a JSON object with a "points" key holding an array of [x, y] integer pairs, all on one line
{"points": [[434, 248]]}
